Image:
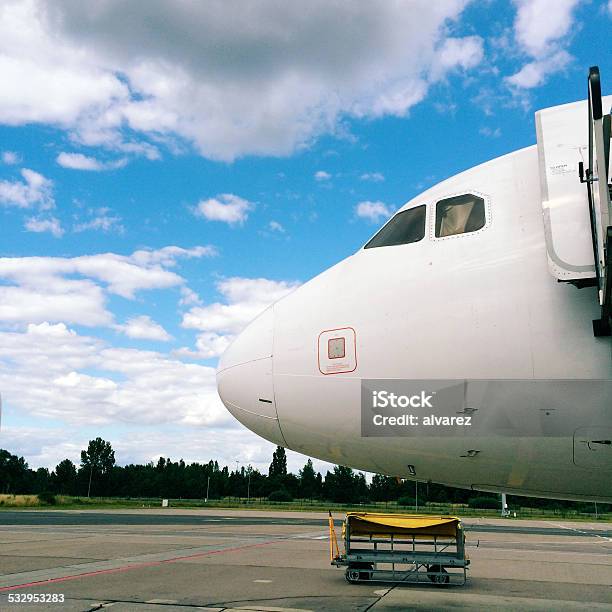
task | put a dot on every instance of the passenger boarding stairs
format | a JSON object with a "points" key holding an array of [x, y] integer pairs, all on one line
{"points": [[578, 220]]}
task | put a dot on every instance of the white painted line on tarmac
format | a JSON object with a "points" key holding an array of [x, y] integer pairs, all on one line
{"points": [[309, 535], [596, 535], [263, 581]]}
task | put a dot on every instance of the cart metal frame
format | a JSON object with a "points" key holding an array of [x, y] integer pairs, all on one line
{"points": [[403, 557]]}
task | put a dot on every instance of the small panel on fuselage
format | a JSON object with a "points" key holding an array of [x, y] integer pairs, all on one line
{"points": [[337, 351]]}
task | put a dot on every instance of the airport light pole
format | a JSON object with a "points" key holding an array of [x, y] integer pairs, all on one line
{"points": [[504, 506], [207, 490]]}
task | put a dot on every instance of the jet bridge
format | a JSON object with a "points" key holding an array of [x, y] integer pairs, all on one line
{"points": [[575, 188]]}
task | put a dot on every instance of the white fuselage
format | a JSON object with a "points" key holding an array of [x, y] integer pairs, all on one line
{"points": [[475, 306]]}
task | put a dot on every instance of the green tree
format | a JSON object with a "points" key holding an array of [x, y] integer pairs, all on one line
{"points": [[64, 477], [42, 480], [384, 488], [342, 485], [361, 488], [15, 477], [308, 481], [278, 467], [97, 460], [277, 472]]}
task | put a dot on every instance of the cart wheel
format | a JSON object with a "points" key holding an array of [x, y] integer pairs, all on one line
{"points": [[352, 575], [357, 572], [438, 575]]}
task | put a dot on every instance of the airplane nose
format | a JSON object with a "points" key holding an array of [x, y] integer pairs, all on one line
{"points": [[245, 381]]}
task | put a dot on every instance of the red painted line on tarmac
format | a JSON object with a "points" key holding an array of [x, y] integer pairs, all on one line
{"points": [[131, 567]]}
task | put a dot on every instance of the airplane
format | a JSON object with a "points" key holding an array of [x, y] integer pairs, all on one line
{"points": [[491, 292]]}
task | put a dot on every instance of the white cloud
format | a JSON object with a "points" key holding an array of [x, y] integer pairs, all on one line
{"points": [[50, 224], [189, 297], [542, 29], [535, 73], [321, 175], [10, 158], [244, 298], [104, 223], [45, 288], [119, 273], [34, 190], [275, 226], [540, 24], [78, 161], [374, 177], [143, 328], [53, 299], [226, 207], [168, 256], [208, 346], [463, 53], [490, 132], [47, 372], [286, 76], [373, 211]]}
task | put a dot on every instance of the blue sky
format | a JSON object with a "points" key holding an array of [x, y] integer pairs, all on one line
{"points": [[165, 174]]}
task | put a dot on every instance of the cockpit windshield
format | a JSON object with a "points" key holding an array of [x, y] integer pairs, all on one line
{"points": [[459, 215], [406, 227]]}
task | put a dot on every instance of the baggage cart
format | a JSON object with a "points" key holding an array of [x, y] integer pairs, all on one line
{"points": [[401, 548]]}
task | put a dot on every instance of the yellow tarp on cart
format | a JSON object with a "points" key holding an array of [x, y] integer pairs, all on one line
{"points": [[369, 523]]}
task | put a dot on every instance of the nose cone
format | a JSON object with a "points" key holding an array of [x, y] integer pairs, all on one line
{"points": [[245, 381]]}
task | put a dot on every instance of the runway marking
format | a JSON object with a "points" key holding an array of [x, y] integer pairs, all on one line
{"points": [[309, 535], [162, 601], [263, 581], [590, 534], [125, 568]]}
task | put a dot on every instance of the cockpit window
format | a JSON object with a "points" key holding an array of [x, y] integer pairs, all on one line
{"points": [[406, 227], [459, 215]]}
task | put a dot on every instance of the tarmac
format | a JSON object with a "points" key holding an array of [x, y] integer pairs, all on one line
{"points": [[167, 560]]}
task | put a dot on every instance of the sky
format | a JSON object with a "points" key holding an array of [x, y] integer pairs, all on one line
{"points": [[168, 169]]}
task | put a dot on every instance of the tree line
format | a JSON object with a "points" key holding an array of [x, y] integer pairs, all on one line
{"points": [[98, 475]]}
